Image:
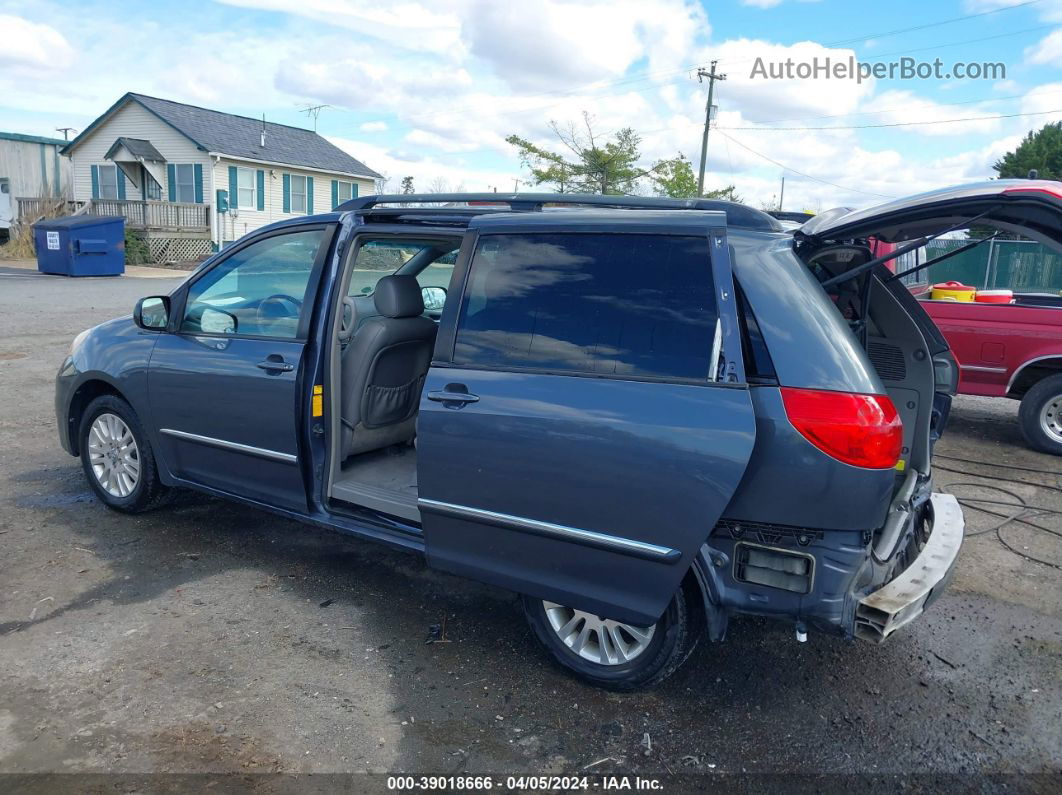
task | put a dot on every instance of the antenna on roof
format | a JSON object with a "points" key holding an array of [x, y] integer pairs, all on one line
{"points": [[314, 111]]}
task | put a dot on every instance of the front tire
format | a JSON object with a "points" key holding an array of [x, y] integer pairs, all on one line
{"points": [[1040, 416], [117, 458], [610, 654]]}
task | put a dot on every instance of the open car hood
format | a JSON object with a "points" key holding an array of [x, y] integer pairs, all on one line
{"points": [[1032, 208]]}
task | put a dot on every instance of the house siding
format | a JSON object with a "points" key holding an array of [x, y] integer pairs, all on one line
{"points": [[132, 121], [31, 169], [235, 225]]}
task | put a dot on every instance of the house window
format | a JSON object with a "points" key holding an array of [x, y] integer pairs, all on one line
{"points": [[298, 194], [108, 176], [185, 183], [245, 186], [346, 191]]}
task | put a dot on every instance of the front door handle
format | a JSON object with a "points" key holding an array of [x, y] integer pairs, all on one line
{"points": [[446, 396], [279, 366]]}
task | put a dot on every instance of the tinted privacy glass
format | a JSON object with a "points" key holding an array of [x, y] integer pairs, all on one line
{"points": [[258, 291], [641, 305]]}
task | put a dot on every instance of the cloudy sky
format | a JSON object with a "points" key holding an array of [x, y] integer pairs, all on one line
{"points": [[430, 88]]}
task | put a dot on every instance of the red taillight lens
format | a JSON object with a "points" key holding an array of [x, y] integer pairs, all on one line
{"points": [[861, 430]]}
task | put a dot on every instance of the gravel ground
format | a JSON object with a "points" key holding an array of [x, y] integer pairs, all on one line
{"points": [[212, 638]]}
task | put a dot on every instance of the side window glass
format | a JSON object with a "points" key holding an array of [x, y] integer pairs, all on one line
{"points": [[258, 291], [379, 258], [635, 305], [439, 272]]}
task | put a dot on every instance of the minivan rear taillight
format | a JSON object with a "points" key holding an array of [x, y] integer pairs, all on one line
{"points": [[861, 430]]}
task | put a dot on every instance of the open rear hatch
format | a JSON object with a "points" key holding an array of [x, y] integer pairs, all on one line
{"points": [[836, 238]]}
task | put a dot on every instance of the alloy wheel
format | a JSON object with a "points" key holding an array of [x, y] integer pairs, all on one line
{"points": [[599, 640], [113, 455]]}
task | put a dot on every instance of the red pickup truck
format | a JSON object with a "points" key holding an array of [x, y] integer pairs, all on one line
{"points": [[1003, 350], [1010, 350]]}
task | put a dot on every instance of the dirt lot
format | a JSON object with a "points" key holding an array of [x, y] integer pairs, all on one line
{"points": [[208, 637]]}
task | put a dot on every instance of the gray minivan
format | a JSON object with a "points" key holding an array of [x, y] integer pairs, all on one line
{"points": [[645, 416]]}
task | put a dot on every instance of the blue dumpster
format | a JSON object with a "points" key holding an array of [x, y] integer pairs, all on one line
{"points": [[81, 245]]}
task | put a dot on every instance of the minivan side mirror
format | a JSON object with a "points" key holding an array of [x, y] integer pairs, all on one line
{"points": [[152, 313], [434, 298]]}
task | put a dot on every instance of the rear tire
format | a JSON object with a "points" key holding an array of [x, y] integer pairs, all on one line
{"points": [[651, 660], [1040, 415], [117, 458]]}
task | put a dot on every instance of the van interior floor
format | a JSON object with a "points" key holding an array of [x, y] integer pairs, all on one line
{"points": [[383, 480]]}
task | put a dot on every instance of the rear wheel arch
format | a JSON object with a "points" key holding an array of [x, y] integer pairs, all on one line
{"points": [[82, 397], [1031, 373]]}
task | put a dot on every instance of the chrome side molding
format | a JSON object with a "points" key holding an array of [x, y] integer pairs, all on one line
{"points": [[261, 452], [626, 546]]}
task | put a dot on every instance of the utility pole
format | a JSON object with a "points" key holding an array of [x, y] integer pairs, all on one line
{"points": [[712, 77], [65, 131], [781, 196]]}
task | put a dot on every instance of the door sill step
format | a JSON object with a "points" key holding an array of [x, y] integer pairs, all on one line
{"points": [[388, 501]]}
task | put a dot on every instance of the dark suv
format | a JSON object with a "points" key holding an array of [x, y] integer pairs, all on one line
{"points": [[645, 416]]}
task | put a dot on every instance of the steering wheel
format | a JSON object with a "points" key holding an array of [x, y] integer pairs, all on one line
{"points": [[278, 311]]}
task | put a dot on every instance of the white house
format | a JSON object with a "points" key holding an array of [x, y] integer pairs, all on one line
{"points": [[170, 169]]}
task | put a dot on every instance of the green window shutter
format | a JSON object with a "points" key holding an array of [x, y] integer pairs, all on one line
{"points": [[121, 184], [260, 192], [171, 181], [197, 176], [309, 195], [353, 190], [335, 193], [287, 193], [234, 189], [95, 170]]}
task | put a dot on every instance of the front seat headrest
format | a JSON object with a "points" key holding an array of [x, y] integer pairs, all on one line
{"points": [[398, 296]]}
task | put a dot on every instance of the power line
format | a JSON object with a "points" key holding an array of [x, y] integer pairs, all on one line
{"points": [[801, 173], [985, 101], [897, 124], [932, 24]]}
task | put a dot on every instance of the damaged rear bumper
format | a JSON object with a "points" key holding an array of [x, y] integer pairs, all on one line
{"points": [[903, 599]]}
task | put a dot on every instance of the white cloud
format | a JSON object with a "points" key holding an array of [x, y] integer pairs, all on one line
{"points": [[436, 87], [405, 25], [1048, 51], [425, 170], [538, 45], [33, 48], [901, 107]]}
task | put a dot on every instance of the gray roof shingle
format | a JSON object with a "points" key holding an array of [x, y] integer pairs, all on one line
{"points": [[240, 136]]}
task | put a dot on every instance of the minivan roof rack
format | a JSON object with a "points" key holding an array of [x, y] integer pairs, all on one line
{"points": [[738, 215]]}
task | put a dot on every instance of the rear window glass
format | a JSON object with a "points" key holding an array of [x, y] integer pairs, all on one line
{"points": [[623, 305]]}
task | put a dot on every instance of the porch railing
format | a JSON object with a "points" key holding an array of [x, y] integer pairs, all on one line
{"points": [[155, 214], [30, 209]]}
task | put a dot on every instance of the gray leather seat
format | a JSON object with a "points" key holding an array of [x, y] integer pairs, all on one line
{"points": [[383, 368]]}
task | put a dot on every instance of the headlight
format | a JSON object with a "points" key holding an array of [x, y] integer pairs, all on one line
{"points": [[77, 341]]}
